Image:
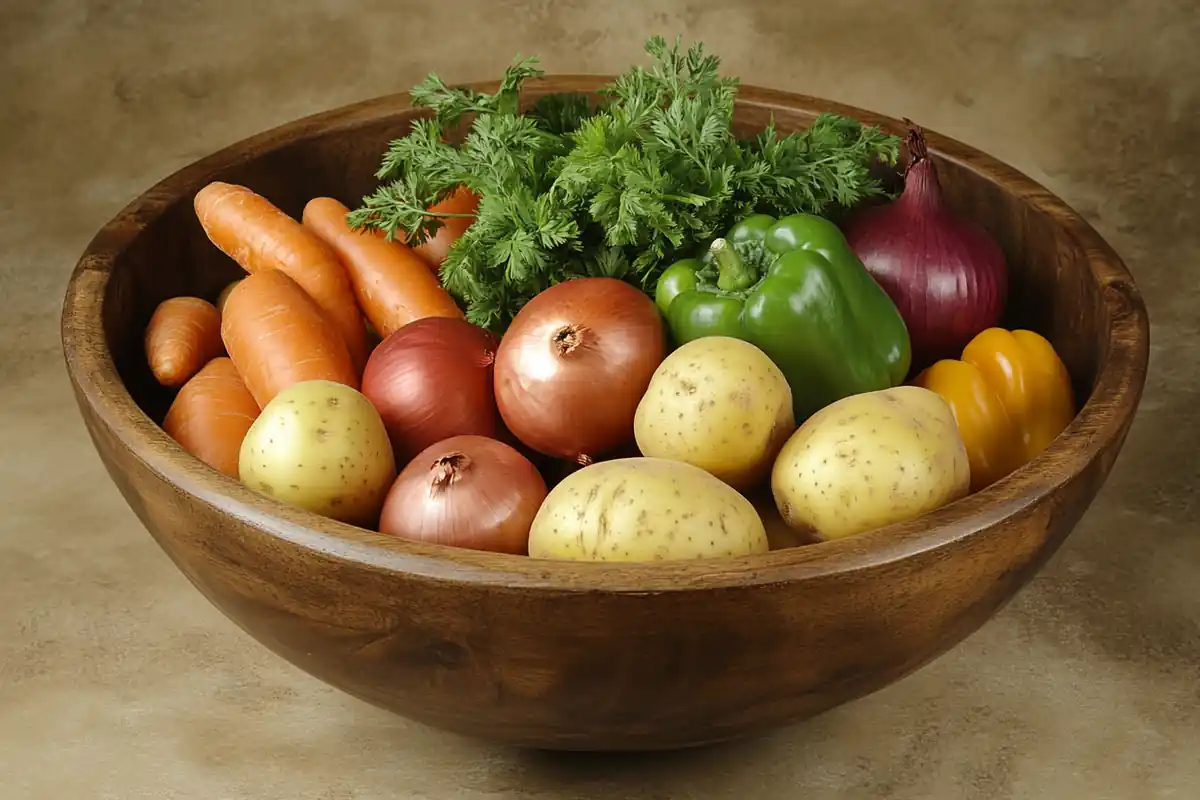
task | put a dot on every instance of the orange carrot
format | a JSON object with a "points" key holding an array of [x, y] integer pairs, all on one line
{"points": [[211, 415], [224, 295], [463, 201], [394, 286], [258, 236], [277, 336], [184, 334]]}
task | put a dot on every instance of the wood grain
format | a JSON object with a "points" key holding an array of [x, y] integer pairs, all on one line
{"points": [[587, 656]]}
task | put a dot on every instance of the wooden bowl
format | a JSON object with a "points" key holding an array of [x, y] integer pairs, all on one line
{"points": [[590, 656]]}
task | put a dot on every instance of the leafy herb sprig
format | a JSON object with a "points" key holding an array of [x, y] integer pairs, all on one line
{"points": [[612, 186]]}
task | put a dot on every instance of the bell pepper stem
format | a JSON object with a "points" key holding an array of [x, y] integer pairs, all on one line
{"points": [[734, 274]]}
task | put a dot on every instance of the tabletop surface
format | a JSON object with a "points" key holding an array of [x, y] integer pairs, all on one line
{"points": [[118, 680]]}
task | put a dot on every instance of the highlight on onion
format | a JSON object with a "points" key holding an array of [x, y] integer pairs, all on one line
{"points": [[946, 275], [573, 365], [430, 380], [467, 491]]}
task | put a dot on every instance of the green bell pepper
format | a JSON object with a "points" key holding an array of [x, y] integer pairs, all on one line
{"points": [[793, 288]]}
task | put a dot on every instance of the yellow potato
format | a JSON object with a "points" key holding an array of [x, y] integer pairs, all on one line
{"points": [[644, 509], [322, 446], [720, 404], [870, 460]]}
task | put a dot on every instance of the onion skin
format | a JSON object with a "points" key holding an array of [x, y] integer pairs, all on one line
{"points": [[946, 275], [467, 491], [574, 364], [430, 380]]}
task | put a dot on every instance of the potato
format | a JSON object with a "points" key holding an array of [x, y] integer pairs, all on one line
{"points": [[322, 446], [644, 509], [869, 460], [720, 404]]}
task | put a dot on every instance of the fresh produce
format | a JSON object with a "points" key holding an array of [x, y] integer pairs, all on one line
{"points": [[617, 186], [574, 364], [211, 414], [456, 214], [946, 274], [795, 290], [466, 491], [224, 295], [184, 334], [644, 509], [870, 460], [1010, 395], [719, 403], [532, 337], [320, 445], [431, 380], [249, 229], [277, 337], [392, 284], [779, 533]]}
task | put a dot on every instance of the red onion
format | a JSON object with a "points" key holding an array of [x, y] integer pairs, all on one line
{"points": [[574, 364], [430, 380], [466, 491], [945, 274]]}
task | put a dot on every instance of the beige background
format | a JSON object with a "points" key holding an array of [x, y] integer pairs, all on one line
{"points": [[117, 680]]}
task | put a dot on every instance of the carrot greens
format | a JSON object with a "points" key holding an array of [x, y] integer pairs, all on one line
{"points": [[618, 185]]}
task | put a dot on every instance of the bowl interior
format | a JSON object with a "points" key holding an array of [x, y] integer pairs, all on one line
{"points": [[1052, 291], [1060, 274]]}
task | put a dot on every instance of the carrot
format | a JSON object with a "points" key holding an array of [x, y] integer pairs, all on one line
{"points": [[184, 334], [277, 336], [463, 201], [211, 415], [225, 294], [253, 232], [373, 337], [394, 286]]}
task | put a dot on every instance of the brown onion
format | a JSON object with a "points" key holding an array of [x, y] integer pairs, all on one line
{"points": [[574, 364], [430, 380], [466, 491]]}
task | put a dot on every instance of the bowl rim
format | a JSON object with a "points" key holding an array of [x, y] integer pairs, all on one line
{"points": [[1101, 422]]}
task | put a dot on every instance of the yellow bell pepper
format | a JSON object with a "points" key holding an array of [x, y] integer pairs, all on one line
{"points": [[1011, 396]]}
